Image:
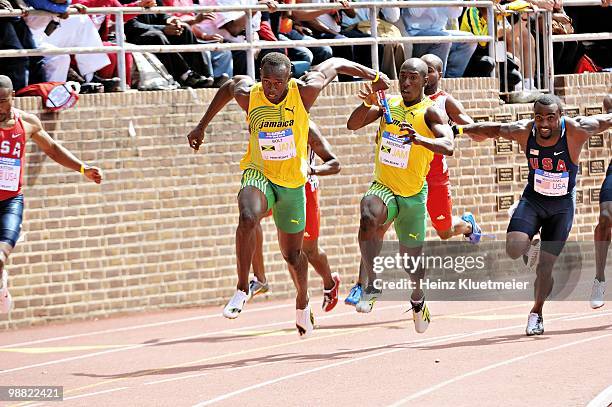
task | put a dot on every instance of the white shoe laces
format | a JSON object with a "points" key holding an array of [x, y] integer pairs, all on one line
{"points": [[533, 320], [237, 300]]}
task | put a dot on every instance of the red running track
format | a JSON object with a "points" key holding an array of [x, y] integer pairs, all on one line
{"points": [[474, 353]]}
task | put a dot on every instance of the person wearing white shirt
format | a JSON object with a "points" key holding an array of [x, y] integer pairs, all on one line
{"points": [[432, 21]]}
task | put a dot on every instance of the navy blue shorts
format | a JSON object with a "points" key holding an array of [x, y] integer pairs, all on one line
{"points": [[553, 218], [605, 195], [11, 215]]}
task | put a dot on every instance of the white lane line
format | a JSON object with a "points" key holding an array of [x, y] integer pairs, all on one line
{"points": [[603, 399], [317, 369], [134, 327], [257, 365], [380, 308], [593, 315], [185, 338], [139, 346], [96, 393], [157, 324], [430, 341], [491, 367]]}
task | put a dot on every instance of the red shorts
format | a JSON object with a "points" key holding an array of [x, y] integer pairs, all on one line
{"points": [[440, 205], [313, 214]]}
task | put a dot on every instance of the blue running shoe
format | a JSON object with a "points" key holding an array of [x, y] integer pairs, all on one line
{"points": [[354, 296], [476, 234]]}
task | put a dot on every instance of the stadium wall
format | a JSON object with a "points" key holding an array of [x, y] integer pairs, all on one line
{"points": [[159, 232]]}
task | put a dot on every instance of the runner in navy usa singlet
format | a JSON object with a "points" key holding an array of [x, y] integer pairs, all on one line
{"points": [[552, 145], [548, 201]]}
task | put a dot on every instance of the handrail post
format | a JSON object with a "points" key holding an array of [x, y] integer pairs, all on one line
{"points": [[374, 33], [492, 27], [119, 35], [550, 69], [250, 54]]}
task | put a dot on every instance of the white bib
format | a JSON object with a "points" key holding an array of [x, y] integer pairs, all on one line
{"points": [[10, 170], [277, 145], [393, 151], [550, 183]]}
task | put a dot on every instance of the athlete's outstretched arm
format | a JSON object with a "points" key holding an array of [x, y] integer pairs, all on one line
{"points": [[321, 75], [367, 112], [238, 88], [322, 148], [456, 112], [594, 124], [518, 131], [57, 152], [437, 122]]}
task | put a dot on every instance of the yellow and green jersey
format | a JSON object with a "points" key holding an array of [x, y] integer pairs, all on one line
{"points": [[278, 137], [403, 167]]}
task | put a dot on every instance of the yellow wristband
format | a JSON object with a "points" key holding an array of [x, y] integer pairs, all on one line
{"points": [[460, 130], [376, 77], [366, 104], [82, 169]]}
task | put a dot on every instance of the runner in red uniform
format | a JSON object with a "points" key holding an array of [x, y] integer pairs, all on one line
{"points": [[16, 127], [439, 199]]}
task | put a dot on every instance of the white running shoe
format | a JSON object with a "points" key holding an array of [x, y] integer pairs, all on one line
{"points": [[6, 301], [368, 299], [420, 315], [235, 304], [597, 294], [535, 325], [304, 322]]}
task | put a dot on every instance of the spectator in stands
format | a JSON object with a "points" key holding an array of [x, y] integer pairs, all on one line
{"points": [[71, 31], [218, 63], [231, 25], [163, 29], [391, 56], [593, 19], [15, 34], [475, 20], [520, 41], [290, 29], [432, 21], [108, 75], [325, 24]]}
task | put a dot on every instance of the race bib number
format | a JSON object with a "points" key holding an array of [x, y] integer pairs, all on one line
{"points": [[277, 145], [550, 183], [393, 151], [10, 170]]}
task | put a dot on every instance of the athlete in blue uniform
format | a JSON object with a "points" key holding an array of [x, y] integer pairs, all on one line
{"points": [[603, 231], [552, 144]]}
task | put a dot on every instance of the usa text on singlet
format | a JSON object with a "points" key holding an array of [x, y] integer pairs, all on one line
{"points": [[12, 159], [551, 170]]}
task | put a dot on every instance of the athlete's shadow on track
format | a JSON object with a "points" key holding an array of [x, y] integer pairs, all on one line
{"points": [[246, 335], [496, 340], [366, 324], [248, 362]]}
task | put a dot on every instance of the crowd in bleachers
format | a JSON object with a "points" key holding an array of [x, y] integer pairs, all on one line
{"points": [[213, 68]]}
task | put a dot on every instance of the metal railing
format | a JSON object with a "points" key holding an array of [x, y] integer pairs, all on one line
{"points": [[251, 44], [521, 33]]}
